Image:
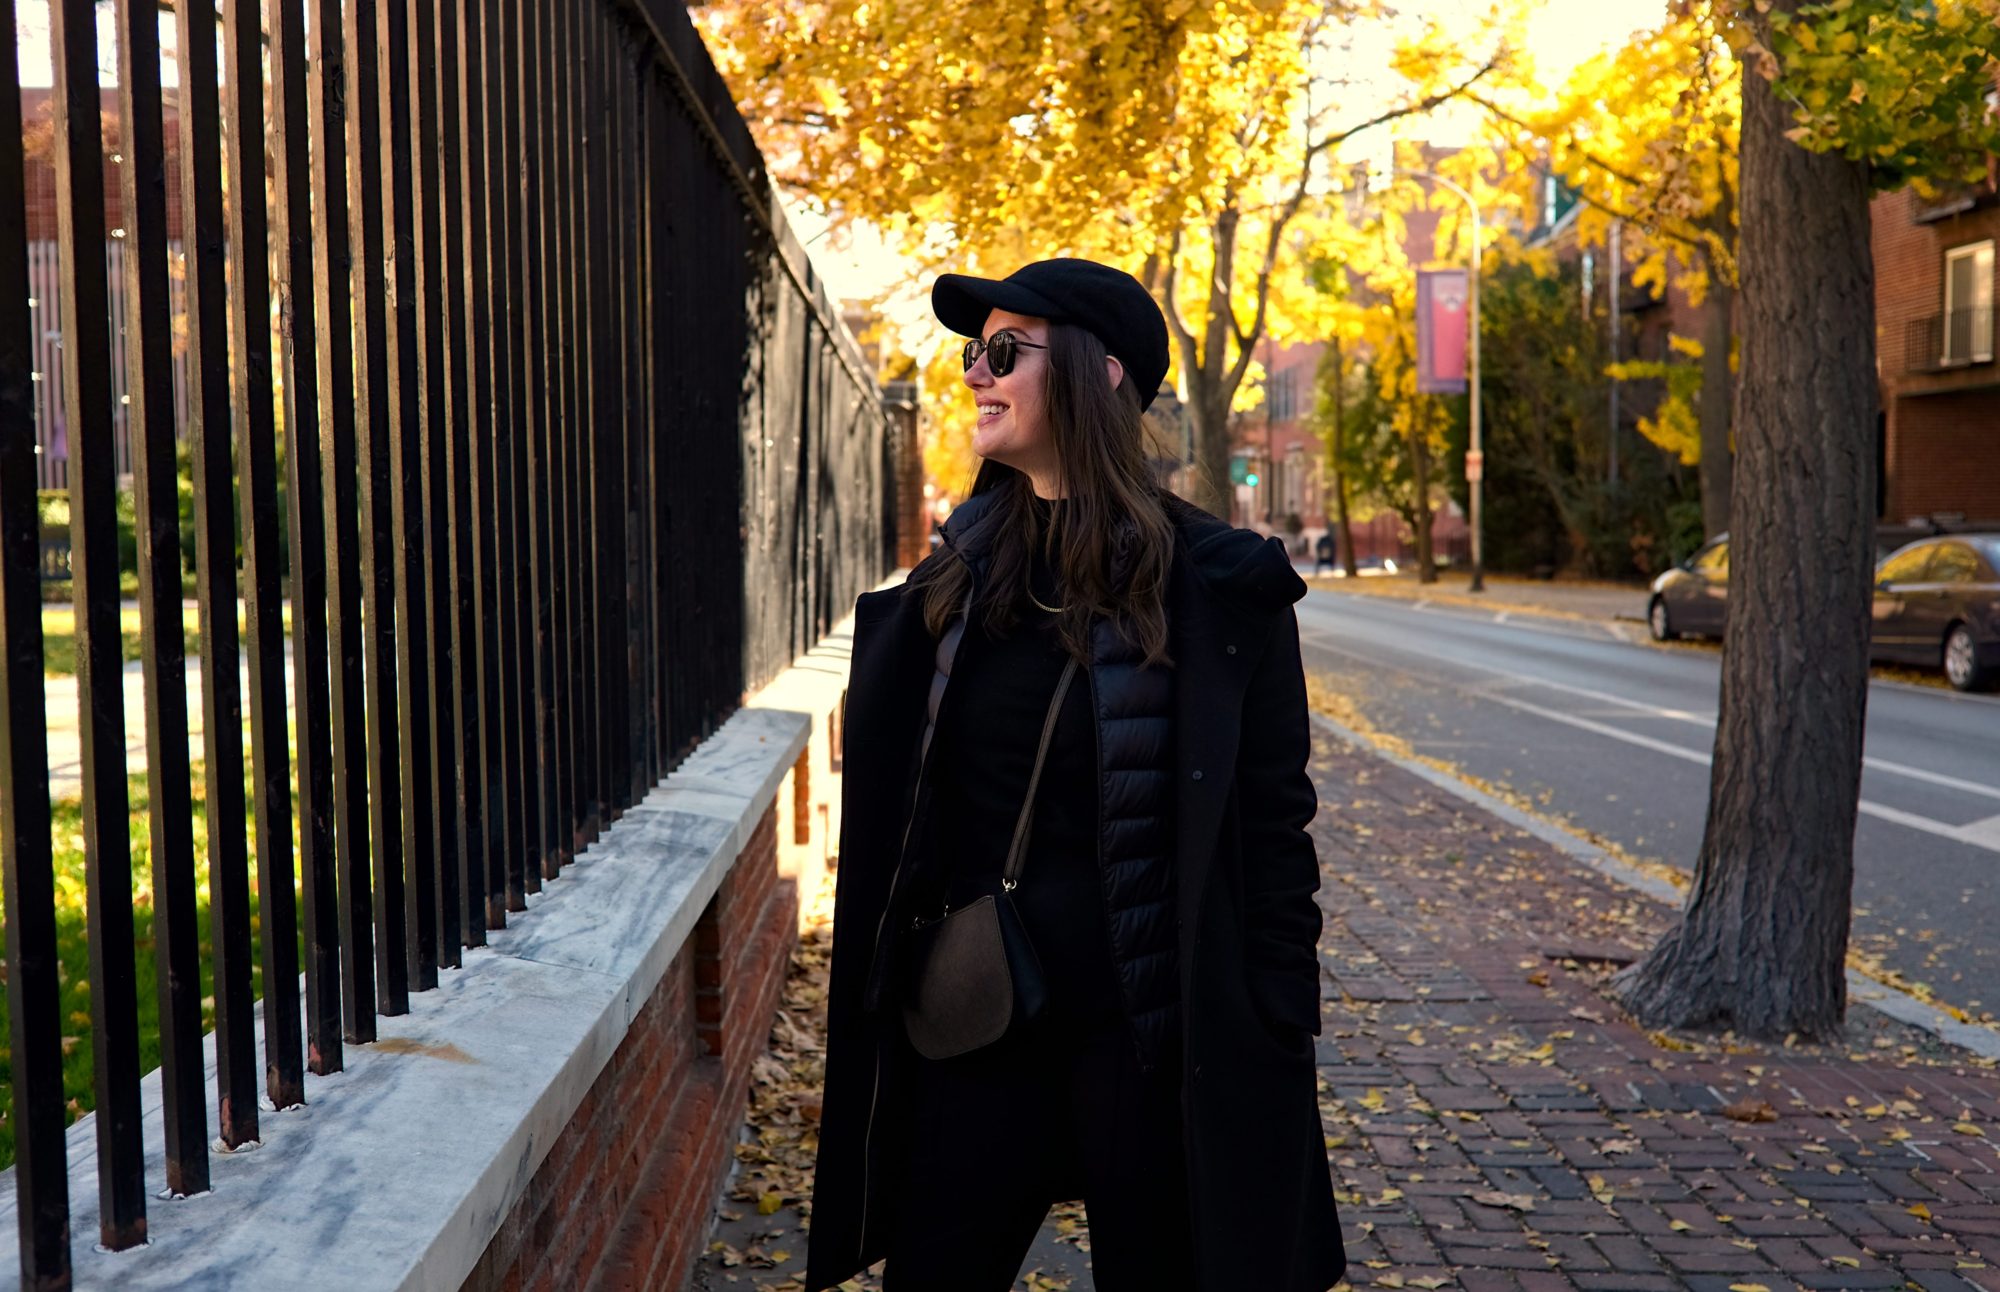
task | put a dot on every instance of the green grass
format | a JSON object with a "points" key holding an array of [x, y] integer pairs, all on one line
{"points": [[59, 635], [74, 951]]}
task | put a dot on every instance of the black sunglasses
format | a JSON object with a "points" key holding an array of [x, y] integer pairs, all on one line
{"points": [[999, 351]]}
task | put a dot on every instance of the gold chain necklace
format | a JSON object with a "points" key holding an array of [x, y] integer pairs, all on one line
{"points": [[1054, 610]]}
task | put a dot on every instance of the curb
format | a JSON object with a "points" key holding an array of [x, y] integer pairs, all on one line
{"points": [[1881, 997]]}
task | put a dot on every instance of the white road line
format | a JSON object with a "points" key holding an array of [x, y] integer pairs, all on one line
{"points": [[1706, 721], [1978, 833]]}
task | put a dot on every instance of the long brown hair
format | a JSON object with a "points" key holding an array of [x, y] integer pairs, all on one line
{"points": [[1110, 542]]}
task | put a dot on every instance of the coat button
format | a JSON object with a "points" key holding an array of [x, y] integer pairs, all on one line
{"points": [[1197, 774], [1230, 649]]}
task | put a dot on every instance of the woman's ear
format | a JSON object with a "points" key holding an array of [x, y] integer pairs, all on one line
{"points": [[1114, 370]]}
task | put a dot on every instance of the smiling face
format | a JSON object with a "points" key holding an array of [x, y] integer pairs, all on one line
{"points": [[1013, 426]]}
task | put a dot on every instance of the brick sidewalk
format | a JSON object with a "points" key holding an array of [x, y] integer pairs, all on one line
{"points": [[1495, 1124]]}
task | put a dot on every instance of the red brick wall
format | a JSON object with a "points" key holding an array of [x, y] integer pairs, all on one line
{"points": [[39, 171], [1950, 456], [1942, 450], [623, 1198]]}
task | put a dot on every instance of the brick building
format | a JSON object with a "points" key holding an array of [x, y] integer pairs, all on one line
{"points": [[1276, 444], [53, 449], [1938, 431]]}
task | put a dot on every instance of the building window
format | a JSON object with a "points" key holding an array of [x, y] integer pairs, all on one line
{"points": [[1968, 304], [1281, 399]]}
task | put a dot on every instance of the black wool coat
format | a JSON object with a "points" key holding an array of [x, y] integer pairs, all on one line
{"points": [[1247, 922]]}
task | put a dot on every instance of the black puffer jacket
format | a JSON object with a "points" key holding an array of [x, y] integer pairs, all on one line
{"points": [[1244, 878], [1133, 706]]}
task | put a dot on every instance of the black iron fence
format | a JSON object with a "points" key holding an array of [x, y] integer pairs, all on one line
{"points": [[574, 453]]}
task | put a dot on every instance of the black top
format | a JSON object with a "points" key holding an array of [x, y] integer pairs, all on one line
{"points": [[982, 755]]}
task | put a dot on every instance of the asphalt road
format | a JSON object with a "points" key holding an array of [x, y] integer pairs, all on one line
{"points": [[1614, 734]]}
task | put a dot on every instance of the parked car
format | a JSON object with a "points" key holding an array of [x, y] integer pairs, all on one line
{"points": [[1937, 604], [1691, 599]]}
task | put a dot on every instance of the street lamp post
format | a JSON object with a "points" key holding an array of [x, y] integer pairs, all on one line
{"points": [[1475, 466]]}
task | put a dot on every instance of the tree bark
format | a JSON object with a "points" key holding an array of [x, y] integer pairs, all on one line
{"points": [[1761, 942], [1337, 452], [1208, 412], [1717, 396]]}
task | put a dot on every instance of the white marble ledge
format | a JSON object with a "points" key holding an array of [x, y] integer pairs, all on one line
{"points": [[398, 1171]]}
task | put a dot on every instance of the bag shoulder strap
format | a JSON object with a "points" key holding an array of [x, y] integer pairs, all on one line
{"points": [[1010, 875]]}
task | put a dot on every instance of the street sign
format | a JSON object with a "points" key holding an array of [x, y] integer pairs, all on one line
{"points": [[1475, 467]]}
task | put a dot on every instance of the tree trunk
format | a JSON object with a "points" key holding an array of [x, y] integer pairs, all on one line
{"points": [[1337, 451], [1762, 940], [1717, 383], [1208, 413], [1420, 483]]}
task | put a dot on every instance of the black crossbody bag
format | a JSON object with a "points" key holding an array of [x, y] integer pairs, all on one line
{"points": [[973, 973]]}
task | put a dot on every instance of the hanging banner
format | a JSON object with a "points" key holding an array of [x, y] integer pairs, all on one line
{"points": [[1441, 331]]}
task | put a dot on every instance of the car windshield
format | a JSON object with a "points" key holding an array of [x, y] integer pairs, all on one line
{"points": [[1988, 545]]}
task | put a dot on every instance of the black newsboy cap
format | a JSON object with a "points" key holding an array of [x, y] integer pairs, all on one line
{"points": [[1108, 303]]}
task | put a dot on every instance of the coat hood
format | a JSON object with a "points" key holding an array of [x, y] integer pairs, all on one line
{"points": [[1239, 565]]}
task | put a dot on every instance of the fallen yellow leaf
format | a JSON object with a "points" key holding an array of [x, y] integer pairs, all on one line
{"points": [[1967, 1128], [1920, 1211]]}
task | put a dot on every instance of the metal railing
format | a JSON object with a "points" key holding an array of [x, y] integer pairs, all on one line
{"points": [[574, 453], [1953, 339]]}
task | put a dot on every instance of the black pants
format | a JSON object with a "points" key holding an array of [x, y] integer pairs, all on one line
{"points": [[1051, 1116]]}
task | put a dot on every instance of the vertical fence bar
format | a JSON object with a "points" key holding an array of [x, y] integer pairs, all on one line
{"points": [[489, 593], [618, 655], [557, 144], [403, 399], [372, 387], [660, 286], [643, 531], [607, 408], [534, 102], [176, 934], [590, 342], [583, 434], [528, 422], [632, 128], [86, 375], [435, 425], [257, 458], [460, 155], [27, 856], [506, 413], [334, 283], [291, 178], [663, 281], [503, 895]]}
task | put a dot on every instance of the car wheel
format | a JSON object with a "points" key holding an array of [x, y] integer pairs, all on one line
{"points": [[1656, 619], [1962, 667]]}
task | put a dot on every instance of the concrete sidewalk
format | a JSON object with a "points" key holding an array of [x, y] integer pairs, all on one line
{"points": [[1494, 1122], [1559, 598]]}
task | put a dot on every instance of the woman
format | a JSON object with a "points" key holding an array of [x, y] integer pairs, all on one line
{"points": [[1168, 888]]}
